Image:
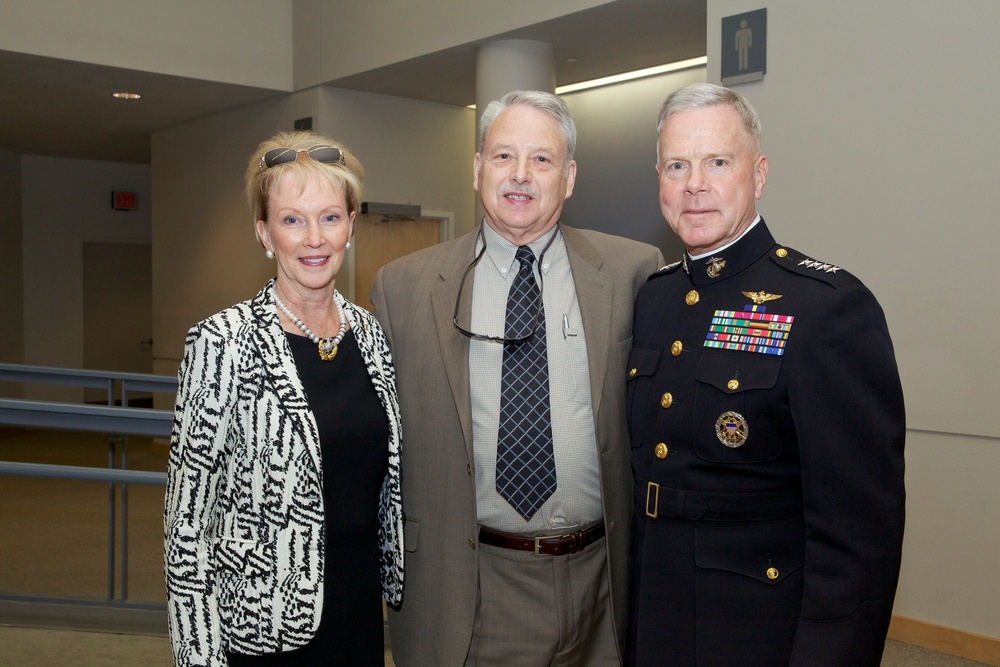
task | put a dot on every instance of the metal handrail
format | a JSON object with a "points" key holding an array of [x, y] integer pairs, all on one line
{"points": [[84, 473], [76, 377], [121, 421], [90, 418]]}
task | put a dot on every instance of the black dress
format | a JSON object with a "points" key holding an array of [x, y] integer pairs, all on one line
{"points": [[354, 436]]}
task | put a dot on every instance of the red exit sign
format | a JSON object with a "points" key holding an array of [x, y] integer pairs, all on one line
{"points": [[123, 201]]}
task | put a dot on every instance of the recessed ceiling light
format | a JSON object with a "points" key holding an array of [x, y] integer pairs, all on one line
{"points": [[126, 96]]}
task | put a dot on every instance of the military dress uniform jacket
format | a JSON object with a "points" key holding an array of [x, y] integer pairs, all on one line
{"points": [[244, 545], [767, 427]]}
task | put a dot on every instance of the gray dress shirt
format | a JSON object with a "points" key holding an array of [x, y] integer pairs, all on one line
{"points": [[577, 498]]}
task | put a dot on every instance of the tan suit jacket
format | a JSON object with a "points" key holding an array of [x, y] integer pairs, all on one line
{"points": [[414, 301]]}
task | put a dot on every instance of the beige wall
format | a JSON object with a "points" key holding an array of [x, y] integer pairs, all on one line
{"points": [[246, 42], [616, 186], [337, 38], [205, 255], [880, 123], [11, 272], [67, 202]]}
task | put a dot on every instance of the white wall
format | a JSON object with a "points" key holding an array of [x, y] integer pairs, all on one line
{"points": [[67, 202], [246, 42], [880, 123]]}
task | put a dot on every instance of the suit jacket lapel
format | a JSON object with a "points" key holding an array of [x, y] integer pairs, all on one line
{"points": [[594, 290], [455, 346]]}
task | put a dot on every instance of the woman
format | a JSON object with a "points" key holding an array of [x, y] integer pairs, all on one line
{"points": [[283, 513]]}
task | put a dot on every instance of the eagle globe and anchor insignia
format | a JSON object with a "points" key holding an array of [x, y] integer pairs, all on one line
{"points": [[731, 429]]}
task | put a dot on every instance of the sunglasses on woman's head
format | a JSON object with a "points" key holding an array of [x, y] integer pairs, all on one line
{"points": [[325, 154]]}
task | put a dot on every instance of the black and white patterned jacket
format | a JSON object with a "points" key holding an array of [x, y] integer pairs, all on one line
{"points": [[244, 540]]}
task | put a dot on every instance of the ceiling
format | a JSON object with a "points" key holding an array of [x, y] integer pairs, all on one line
{"points": [[63, 108]]}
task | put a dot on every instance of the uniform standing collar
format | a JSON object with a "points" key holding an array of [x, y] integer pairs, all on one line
{"points": [[729, 261]]}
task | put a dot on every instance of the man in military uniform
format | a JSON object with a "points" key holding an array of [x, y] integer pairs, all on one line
{"points": [[767, 426]]}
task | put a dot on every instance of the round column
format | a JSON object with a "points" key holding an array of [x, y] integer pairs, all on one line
{"points": [[512, 64]]}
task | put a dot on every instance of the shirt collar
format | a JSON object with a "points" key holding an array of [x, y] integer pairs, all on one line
{"points": [[502, 253]]}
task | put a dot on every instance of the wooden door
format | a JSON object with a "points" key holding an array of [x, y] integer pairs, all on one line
{"points": [[380, 239]]}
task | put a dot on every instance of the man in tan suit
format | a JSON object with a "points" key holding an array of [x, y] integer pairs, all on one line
{"points": [[497, 574]]}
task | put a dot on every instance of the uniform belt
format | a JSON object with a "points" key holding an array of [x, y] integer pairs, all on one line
{"points": [[661, 501], [553, 545]]}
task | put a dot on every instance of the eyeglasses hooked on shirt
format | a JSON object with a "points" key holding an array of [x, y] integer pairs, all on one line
{"points": [[536, 319]]}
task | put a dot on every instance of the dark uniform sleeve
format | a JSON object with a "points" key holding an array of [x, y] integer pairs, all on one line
{"points": [[847, 405]]}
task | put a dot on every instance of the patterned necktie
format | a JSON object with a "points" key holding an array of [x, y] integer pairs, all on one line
{"points": [[526, 467]]}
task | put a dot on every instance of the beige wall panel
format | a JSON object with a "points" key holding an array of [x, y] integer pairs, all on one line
{"points": [[337, 38], [245, 42], [11, 269], [880, 123]]}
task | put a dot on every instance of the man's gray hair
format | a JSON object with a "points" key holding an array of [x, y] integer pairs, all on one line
{"points": [[701, 95], [549, 104]]}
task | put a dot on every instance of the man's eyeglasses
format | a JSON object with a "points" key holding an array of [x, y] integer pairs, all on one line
{"points": [[325, 154], [535, 321]]}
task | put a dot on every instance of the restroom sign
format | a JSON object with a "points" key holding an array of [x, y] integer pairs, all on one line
{"points": [[744, 47]]}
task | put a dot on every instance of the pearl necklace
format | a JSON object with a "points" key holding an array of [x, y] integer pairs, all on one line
{"points": [[327, 346]]}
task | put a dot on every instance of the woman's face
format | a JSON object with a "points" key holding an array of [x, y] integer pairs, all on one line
{"points": [[307, 229]]}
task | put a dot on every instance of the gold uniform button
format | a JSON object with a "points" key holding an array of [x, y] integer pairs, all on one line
{"points": [[733, 384], [660, 450], [632, 372], [772, 573], [667, 400], [691, 297], [781, 252], [677, 348]]}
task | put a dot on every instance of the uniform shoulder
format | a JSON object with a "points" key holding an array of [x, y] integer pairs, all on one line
{"points": [[800, 264], [667, 270]]}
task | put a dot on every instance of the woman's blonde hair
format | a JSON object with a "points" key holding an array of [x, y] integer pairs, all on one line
{"points": [[259, 178]]}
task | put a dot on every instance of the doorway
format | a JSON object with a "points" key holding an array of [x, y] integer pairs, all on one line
{"points": [[379, 239], [117, 310]]}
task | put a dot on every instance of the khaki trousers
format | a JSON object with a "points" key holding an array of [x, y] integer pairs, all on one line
{"points": [[543, 611]]}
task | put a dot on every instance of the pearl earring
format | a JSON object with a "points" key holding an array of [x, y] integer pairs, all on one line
{"points": [[269, 254], [348, 246]]}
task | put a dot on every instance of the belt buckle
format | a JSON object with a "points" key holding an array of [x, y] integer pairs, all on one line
{"points": [[651, 487], [538, 546]]}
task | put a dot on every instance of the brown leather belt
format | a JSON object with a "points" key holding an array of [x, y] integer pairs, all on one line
{"points": [[554, 545]]}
